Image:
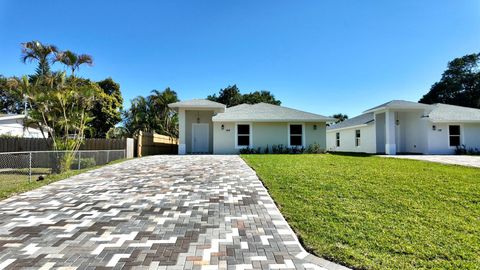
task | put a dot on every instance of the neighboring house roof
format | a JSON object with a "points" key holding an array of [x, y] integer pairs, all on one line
{"points": [[263, 112], [360, 120], [11, 116], [197, 103], [452, 113], [398, 104]]}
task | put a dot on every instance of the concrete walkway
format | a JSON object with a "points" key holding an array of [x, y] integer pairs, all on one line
{"points": [[161, 212], [471, 161]]}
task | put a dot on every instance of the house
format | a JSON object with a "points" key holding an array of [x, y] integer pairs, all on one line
{"points": [[402, 126], [209, 127], [14, 125]]}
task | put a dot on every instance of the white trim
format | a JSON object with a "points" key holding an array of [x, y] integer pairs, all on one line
{"points": [[250, 135], [193, 136], [333, 129], [448, 135], [303, 134], [250, 120]]}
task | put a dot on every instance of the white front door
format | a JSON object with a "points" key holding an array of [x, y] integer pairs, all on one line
{"points": [[200, 138]]}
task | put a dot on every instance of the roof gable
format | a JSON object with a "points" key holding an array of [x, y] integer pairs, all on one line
{"points": [[197, 103], [362, 119], [452, 113], [264, 112], [398, 104]]}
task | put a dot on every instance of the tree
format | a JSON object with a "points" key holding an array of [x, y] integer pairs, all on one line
{"points": [[42, 53], [231, 96], [61, 107], [164, 119], [151, 114], [136, 118], [262, 96], [459, 85], [9, 103], [339, 117], [106, 109], [73, 60]]}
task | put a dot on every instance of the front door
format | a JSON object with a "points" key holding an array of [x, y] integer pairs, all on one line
{"points": [[200, 138]]}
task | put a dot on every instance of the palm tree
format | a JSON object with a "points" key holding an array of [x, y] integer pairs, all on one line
{"points": [[36, 51], [165, 120], [73, 60]]}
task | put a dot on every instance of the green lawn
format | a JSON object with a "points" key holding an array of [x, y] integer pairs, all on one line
{"points": [[17, 181], [378, 213]]}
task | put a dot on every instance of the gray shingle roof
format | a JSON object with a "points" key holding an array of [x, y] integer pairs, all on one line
{"points": [[263, 112], [399, 104], [452, 113], [362, 119], [196, 103]]}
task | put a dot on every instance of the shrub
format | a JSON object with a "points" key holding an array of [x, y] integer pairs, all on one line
{"points": [[248, 150], [314, 149], [84, 163], [463, 150]]}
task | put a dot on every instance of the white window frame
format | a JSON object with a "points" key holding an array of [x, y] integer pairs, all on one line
{"points": [[338, 143], [460, 136], [303, 134], [250, 136], [358, 140]]}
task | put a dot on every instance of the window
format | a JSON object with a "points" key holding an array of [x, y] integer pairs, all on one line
{"points": [[337, 136], [243, 135], [296, 135], [454, 135], [357, 137]]}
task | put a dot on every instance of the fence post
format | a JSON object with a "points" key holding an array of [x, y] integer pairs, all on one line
{"points": [[139, 144], [30, 168], [108, 155], [79, 160], [125, 153]]}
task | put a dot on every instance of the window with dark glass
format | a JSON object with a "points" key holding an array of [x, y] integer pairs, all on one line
{"points": [[337, 138], [296, 135], [454, 135], [243, 135], [357, 137]]}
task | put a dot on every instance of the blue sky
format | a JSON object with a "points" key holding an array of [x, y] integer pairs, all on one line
{"points": [[319, 56]]}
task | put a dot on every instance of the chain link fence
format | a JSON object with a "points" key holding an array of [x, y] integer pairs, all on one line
{"points": [[20, 167]]}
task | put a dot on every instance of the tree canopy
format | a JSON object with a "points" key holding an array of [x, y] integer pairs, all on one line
{"points": [[152, 114], [9, 102], [231, 96], [459, 85], [339, 117], [106, 109]]}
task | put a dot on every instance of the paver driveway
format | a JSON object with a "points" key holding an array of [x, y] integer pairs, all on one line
{"points": [[161, 212]]}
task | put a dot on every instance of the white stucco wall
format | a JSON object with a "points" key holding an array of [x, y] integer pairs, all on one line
{"points": [[411, 132], [438, 140], [347, 140], [14, 127], [471, 135], [264, 134]]}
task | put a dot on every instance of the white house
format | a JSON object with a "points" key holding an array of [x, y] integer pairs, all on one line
{"points": [[209, 127], [402, 126], [13, 125]]}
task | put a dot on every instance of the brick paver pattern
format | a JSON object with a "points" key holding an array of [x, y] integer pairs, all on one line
{"points": [[160, 212]]}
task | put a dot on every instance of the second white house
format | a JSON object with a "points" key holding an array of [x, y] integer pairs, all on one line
{"points": [[402, 126]]}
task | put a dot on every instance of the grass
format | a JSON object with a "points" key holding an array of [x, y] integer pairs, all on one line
{"points": [[17, 182], [370, 212]]}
